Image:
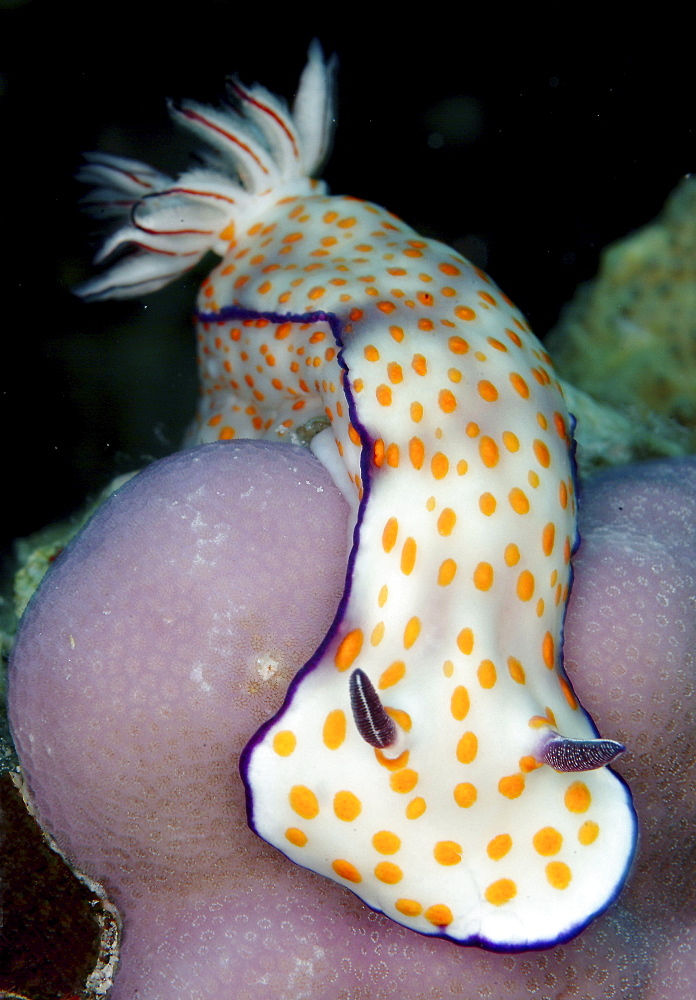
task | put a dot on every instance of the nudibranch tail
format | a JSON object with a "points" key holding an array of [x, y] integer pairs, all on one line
{"points": [[416, 759]]}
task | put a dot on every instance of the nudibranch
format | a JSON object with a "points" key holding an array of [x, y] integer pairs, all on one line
{"points": [[431, 756]]}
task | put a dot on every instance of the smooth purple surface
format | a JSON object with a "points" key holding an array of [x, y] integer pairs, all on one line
{"points": [[179, 597]]}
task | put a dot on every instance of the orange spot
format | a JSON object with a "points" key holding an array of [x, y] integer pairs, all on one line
{"points": [[465, 313], [352, 433], [568, 692], [439, 465], [386, 842], [467, 748], [447, 572], [547, 841], [487, 391], [525, 585], [519, 385], [390, 763], [349, 649], [396, 333], [488, 450], [377, 634], [449, 269], [411, 632], [548, 651], [416, 413], [458, 345], [465, 641], [409, 907], [439, 915], [425, 324], [560, 425], [284, 743], [345, 870], [563, 495], [384, 395], [542, 453], [334, 731], [415, 808], [371, 353], [459, 703], [346, 806], [528, 764], [392, 675], [447, 852], [416, 452], [403, 781], [518, 500], [408, 556], [403, 718], [295, 836], [501, 892], [487, 504], [577, 798], [419, 364], [465, 794], [511, 786], [511, 441], [548, 537], [392, 455], [512, 554], [486, 674], [558, 874], [394, 372], [391, 529], [378, 453], [446, 401], [304, 802], [386, 307], [496, 344], [499, 846], [516, 670], [588, 833], [226, 433], [483, 576], [388, 872], [446, 521]]}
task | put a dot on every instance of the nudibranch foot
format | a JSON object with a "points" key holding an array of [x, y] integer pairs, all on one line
{"points": [[405, 762]]}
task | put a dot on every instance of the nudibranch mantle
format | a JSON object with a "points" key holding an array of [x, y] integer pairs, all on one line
{"points": [[416, 759]]}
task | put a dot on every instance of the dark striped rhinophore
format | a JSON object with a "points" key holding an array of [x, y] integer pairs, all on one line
{"points": [[372, 721]]}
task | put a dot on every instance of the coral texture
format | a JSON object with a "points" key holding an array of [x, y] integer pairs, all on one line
{"points": [[168, 631]]}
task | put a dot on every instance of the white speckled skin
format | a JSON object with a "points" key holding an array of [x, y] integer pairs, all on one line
{"points": [[453, 433]]}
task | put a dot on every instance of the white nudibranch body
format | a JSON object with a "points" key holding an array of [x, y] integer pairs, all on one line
{"points": [[417, 758]]}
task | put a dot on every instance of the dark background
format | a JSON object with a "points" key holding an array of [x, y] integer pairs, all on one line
{"points": [[528, 146]]}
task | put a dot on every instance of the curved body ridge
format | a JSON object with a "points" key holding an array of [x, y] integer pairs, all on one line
{"points": [[432, 755]]}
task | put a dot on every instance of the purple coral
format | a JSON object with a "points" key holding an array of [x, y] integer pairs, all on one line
{"points": [[168, 631]]}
